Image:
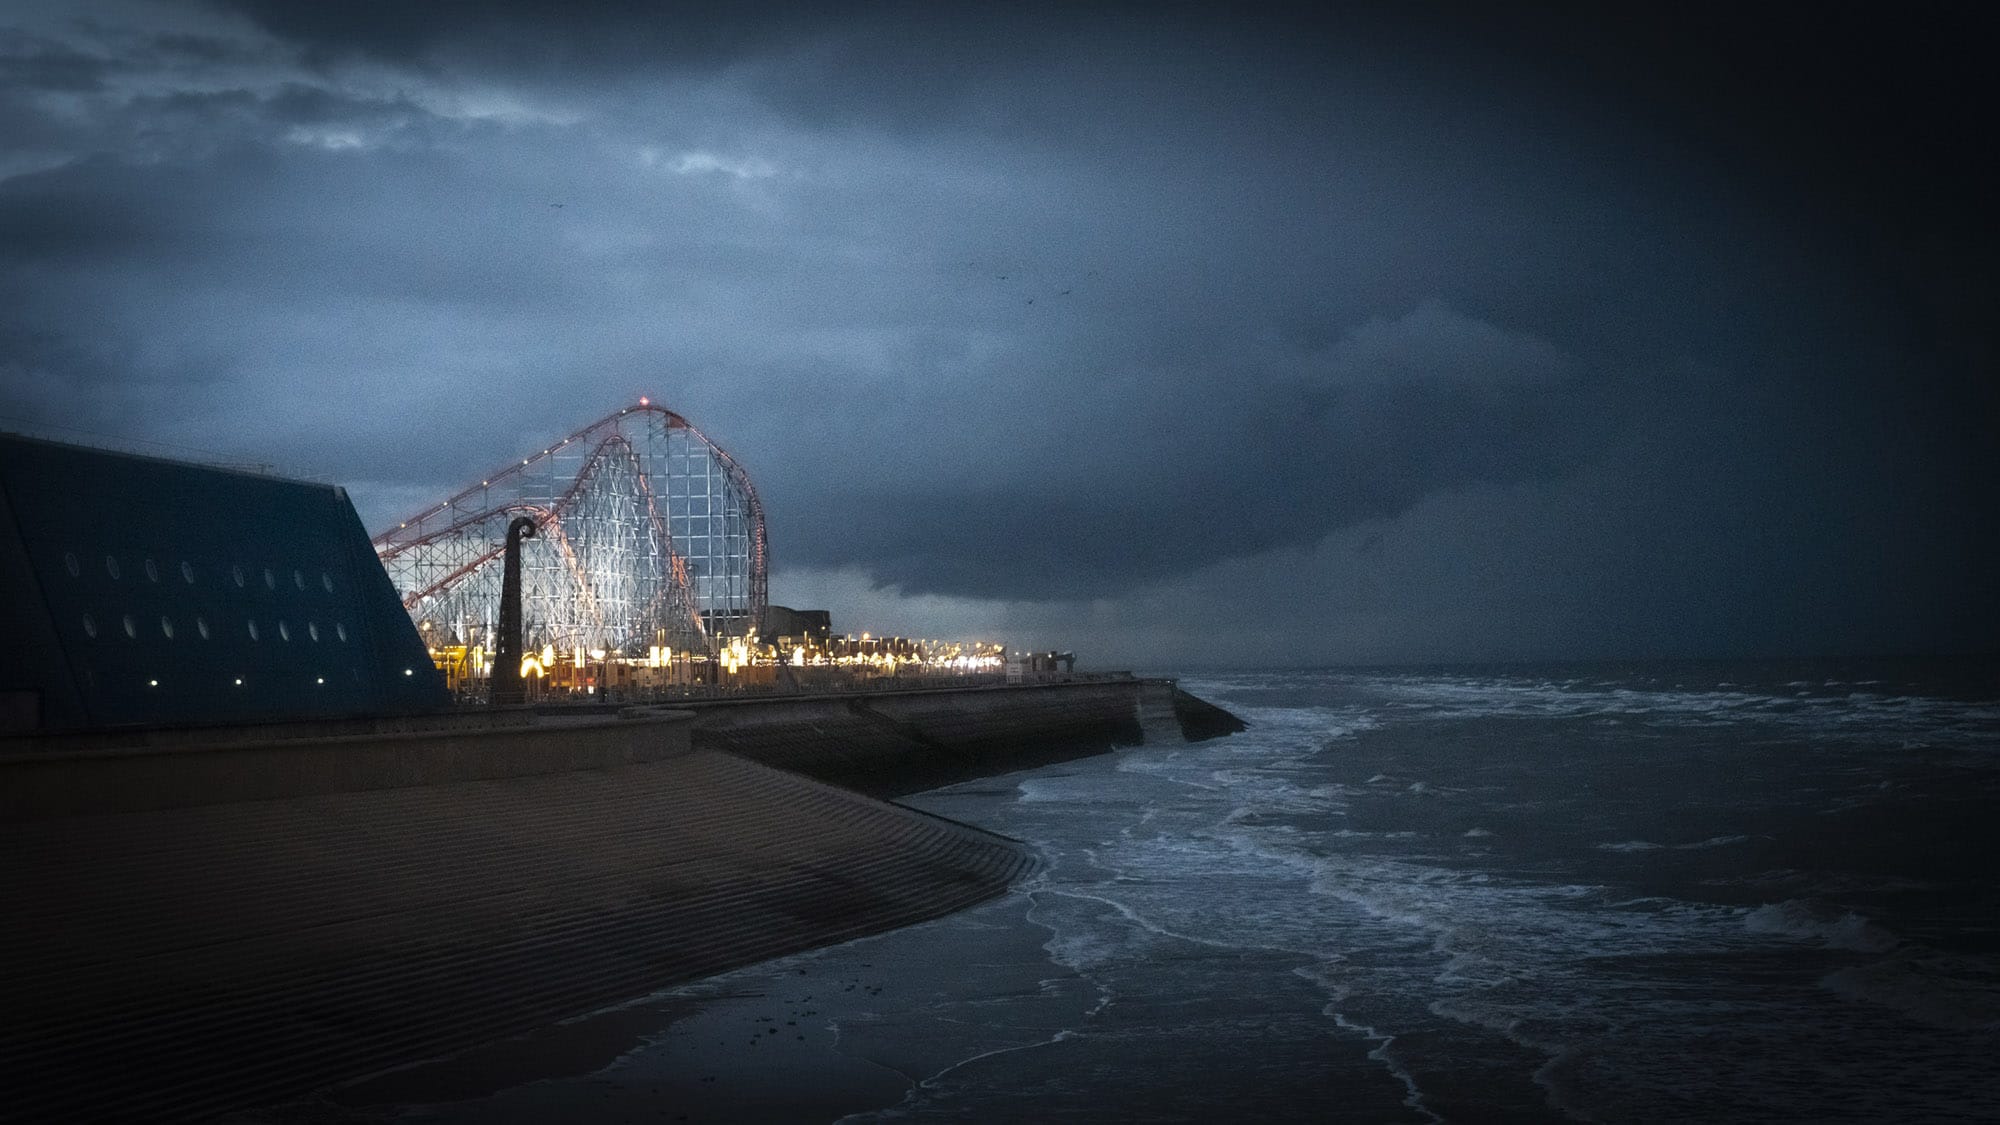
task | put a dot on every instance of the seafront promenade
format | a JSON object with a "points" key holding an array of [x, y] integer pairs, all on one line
{"points": [[203, 928]]}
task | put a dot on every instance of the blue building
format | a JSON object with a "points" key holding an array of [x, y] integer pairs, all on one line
{"points": [[136, 591]]}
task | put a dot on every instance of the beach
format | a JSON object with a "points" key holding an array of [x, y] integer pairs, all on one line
{"points": [[926, 1020], [1643, 894]]}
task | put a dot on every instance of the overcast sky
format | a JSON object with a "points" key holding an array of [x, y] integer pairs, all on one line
{"points": [[1175, 335]]}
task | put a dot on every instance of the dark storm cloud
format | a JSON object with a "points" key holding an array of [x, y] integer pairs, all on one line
{"points": [[1073, 303], [541, 37], [1150, 477], [40, 65]]}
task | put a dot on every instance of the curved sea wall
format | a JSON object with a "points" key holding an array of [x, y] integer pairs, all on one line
{"points": [[889, 743]]}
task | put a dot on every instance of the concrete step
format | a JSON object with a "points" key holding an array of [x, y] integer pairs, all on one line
{"points": [[1155, 709]]}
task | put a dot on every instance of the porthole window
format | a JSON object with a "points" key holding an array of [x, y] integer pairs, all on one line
{"points": [[152, 571], [236, 572], [284, 631], [75, 568], [89, 626], [299, 579], [340, 630], [111, 565], [131, 627], [187, 572], [326, 580], [270, 580], [201, 626], [167, 627], [312, 630], [253, 628]]}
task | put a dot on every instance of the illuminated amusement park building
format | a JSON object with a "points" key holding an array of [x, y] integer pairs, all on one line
{"points": [[650, 538]]}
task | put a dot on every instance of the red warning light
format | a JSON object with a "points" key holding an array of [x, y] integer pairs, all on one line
{"points": [[644, 401]]}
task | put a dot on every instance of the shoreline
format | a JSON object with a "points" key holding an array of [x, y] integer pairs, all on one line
{"points": [[1044, 1000], [838, 1033]]}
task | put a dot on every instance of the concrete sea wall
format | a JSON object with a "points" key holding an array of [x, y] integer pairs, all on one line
{"points": [[890, 743], [70, 777]]}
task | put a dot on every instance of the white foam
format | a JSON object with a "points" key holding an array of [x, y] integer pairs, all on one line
{"points": [[1810, 921], [1205, 845], [1856, 715], [1059, 788], [1711, 842], [1413, 1095]]}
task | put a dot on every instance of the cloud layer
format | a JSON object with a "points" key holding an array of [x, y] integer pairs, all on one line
{"points": [[1372, 340]]}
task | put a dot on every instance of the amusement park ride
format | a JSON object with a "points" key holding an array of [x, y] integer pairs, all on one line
{"points": [[649, 538], [645, 571]]}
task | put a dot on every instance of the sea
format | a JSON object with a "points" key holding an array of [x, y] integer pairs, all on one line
{"points": [[1640, 893]]}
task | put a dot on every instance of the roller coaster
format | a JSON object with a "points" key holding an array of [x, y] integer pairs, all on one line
{"points": [[651, 537]]}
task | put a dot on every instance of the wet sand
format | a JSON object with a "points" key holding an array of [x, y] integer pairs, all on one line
{"points": [[812, 1037], [969, 1017]]}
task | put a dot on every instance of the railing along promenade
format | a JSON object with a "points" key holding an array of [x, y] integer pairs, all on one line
{"points": [[472, 696]]}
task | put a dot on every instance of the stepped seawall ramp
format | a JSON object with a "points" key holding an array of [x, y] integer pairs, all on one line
{"points": [[170, 958]]}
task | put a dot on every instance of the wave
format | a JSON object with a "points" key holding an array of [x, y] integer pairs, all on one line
{"points": [[1949, 992], [1811, 921], [1830, 711], [1649, 846], [1711, 842], [1259, 842]]}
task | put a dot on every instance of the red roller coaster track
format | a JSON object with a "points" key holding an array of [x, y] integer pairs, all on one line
{"points": [[653, 533]]}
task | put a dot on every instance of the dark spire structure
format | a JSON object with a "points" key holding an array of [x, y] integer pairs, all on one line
{"points": [[507, 645]]}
